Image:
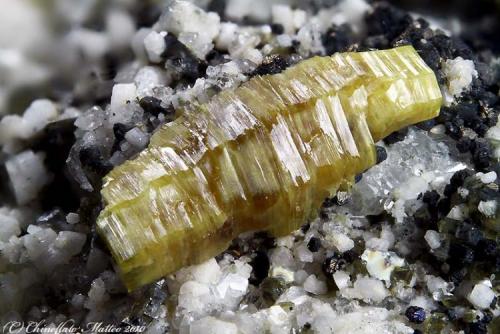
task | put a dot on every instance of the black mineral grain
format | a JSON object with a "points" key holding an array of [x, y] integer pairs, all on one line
{"points": [[314, 244], [431, 198], [152, 105], [271, 65], [93, 159], [415, 314], [486, 249], [396, 136], [260, 264], [277, 28], [481, 154], [460, 255], [387, 20], [119, 130], [381, 153], [180, 59], [464, 144], [338, 39]]}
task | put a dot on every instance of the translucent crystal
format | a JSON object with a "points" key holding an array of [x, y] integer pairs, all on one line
{"points": [[262, 156], [409, 162]]}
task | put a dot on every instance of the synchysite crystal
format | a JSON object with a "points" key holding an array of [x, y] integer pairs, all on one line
{"points": [[262, 156]]}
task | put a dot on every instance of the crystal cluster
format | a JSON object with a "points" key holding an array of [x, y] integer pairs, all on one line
{"points": [[259, 157]]}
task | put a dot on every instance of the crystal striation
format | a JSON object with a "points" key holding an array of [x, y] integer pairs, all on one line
{"points": [[262, 156]]}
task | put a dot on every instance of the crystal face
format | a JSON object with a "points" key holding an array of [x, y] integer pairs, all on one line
{"points": [[263, 156]]}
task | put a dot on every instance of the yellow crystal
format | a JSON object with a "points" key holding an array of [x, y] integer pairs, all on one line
{"points": [[260, 157]]}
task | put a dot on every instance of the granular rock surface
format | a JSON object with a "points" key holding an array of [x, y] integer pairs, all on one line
{"points": [[411, 248]]}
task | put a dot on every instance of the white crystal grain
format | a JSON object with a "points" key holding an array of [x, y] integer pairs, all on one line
{"points": [[72, 218], [381, 264], [35, 118], [481, 295], [9, 226], [92, 44], [488, 208], [27, 175], [258, 10], [288, 18], [367, 289], [365, 320], [487, 177], [211, 325], [315, 286], [303, 253], [154, 44], [122, 93], [137, 138], [342, 242], [341, 279], [433, 239], [207, 272], [192, 24], [120, 28], [459, 73]]}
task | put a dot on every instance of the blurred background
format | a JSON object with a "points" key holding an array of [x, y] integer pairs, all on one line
{"points": [[70, 50]]}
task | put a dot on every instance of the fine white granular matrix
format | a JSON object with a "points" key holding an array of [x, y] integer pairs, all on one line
{"points": [[411, 247]]}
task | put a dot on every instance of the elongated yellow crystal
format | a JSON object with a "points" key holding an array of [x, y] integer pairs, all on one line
{"points": [[260, 157]]}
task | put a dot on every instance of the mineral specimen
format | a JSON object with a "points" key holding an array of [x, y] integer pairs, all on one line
{"points": [[259, 157]]}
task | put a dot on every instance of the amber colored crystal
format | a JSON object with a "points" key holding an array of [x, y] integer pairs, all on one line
{"points": [[262, 156]]}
